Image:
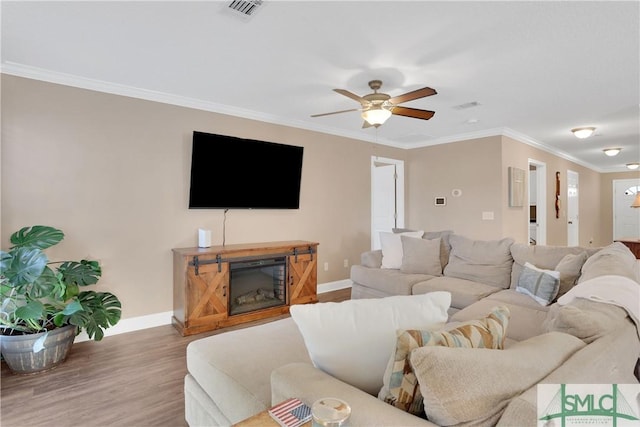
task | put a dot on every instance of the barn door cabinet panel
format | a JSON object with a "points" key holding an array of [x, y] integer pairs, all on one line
{"points": [[303, 278], [203, 280]]}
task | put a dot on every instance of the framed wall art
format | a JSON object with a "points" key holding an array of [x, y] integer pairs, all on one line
{"points": [[516, 187]]}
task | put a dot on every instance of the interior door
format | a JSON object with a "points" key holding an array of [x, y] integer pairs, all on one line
{"points": [[626, 220], [573, 217], [387, 197]]}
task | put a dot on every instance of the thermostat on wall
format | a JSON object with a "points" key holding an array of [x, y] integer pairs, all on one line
{"points": [[440, 201]]}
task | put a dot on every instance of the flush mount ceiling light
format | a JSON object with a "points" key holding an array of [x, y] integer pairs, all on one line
{"points": [[612, 151], [584, 132], [633, 166]]}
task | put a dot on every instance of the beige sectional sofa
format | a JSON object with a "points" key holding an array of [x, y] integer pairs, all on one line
{"points": [[576, 339]]}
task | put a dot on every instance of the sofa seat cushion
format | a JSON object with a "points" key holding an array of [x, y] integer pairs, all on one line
{"points": [[527, 316], [388, 281], [239, 389], [484, 261], [463, 292]]}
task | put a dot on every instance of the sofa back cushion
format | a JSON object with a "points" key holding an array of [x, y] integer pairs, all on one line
{"points": [[484, 261], [567, 260], [615, 259], [445, 244], [585, 319]]}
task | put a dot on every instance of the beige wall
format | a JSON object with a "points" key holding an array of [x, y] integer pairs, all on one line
{"points": [[516, 154], [113, 173], [606, 196], [471, 166], [480, 169]]}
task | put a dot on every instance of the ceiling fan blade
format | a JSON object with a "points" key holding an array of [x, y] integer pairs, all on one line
{"points": [[410, 96], [412, 112], [352, 95], [335, 112]]}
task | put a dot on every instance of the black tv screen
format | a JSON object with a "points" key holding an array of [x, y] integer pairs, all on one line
{"points": [[237, 173]]}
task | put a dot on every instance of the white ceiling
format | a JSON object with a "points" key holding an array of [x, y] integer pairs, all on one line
{"points": [[537, 69]]}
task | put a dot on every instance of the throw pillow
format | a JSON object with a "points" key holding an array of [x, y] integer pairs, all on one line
{"points": [[541, 285], [421, 256], [585, 319], [400, 387], [352, 340], [490, 378], [487, 262], [445, 245], [391, 246], [569, 268]]}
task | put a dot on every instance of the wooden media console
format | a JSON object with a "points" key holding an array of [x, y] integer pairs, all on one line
{"points": [[269, 278]]}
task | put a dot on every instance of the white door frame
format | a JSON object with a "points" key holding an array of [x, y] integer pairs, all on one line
{"points": [[573, 209], [624, 183], [399, 194], [541, 201]]}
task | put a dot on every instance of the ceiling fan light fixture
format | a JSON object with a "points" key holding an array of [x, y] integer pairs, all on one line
{"points": [[633, 166], [376, 115], [612, 151], [583, 132]]}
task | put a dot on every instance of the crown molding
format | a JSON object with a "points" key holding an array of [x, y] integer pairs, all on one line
{"points": [[36, 73]]}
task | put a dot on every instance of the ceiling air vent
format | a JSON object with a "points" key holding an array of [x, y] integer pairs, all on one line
{"points": [[245, 7], [471, 104]]}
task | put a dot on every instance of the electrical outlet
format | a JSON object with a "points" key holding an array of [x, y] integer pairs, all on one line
{"points": [[326, 266], [346, 262], [487, 216]]}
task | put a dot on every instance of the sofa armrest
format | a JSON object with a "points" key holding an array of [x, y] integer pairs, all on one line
{"points": [[371, 259], [308, 383]]}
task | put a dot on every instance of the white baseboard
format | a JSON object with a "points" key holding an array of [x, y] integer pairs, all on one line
{"points": [[133, 324], [334, 286], [161, 319]]}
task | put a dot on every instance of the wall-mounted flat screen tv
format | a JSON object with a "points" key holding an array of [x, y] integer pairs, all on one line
{"points": [[237, 173]]}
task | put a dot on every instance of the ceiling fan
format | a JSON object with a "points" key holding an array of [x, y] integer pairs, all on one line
{"points": [[378, 107]]}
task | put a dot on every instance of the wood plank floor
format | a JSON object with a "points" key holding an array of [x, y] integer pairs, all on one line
{"points": [[133, 379]]}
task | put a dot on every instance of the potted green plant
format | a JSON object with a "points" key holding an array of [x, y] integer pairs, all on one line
{"points": [[42, 305]]}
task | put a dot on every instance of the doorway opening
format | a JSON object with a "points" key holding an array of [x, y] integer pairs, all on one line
{"points": [[387, 197], [626, 220], [537, 202]]}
